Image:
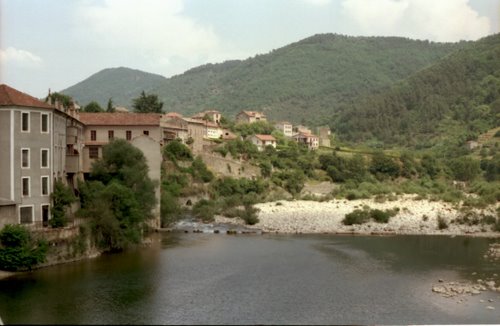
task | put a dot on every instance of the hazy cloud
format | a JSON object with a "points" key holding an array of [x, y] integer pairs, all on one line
{"points": [[19, 57], [318, 2], [436, 20], [154, 30]]}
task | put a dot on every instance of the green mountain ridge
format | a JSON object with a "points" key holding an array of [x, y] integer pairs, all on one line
{"points": [[121, 84], [453, 100], [304, 82]]}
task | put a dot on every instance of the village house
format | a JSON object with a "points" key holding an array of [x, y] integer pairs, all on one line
{"points": [[210, 115], [37, 142], [140, 129], [250, 117], [204, 125], [300, 129], [261, 141], [285, 127], [308, 139], [174, 128], [102, 128], [324, 133]]}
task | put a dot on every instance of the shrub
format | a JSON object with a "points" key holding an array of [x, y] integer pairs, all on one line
{"points": [[357, 216], [175, 150], [170, 209], [442, 223], [200, 171], [18, 250], [205, 209], [383, 165], [496, 226], [62, 197], [488, 219], [249, 215], [380, 216], [465, 168]]}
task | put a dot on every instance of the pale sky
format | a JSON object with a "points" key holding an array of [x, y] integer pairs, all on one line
{"points": [[58, 43]]}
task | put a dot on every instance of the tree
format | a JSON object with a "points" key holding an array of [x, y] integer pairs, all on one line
{"points": [[176, 150], [430, 165], [110, 107], [65, 100], [18, 250], [119, 197], [147, 103], [93, 107], [382, 164], [62, 197], [465, 168]]}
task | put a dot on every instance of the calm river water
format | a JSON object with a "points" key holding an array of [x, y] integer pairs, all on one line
{"points": [[260, 279]]}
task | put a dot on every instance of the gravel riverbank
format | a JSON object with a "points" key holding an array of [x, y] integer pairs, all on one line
{"points": [[414, 217]]}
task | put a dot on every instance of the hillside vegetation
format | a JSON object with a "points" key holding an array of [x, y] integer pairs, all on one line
{"points": [[119, 84], [448, 103], [302, 82]]}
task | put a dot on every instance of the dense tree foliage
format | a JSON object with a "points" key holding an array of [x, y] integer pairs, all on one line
{"points": [[110, 108], [119, 196], [147, 103], [65, 100], [62, 197], [458, 97], [259, 127], [18, 249], [176, 150], [93, 107]]}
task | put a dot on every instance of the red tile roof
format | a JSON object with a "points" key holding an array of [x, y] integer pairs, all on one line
{"points": [[265, 137], [120, 119], [173, 115], [12, 97]]}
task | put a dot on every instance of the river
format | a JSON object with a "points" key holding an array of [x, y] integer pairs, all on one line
{"points": [[260, 279]]}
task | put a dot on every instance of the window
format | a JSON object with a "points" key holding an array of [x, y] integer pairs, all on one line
{"points": [[146, 132], [25, 121], [26, 186], [44, 123], [45, 215], [44, 158], [25, 158], [129, 134], [111, 134], [45, 185], [26, 214], [93, 152], [93, 135]]}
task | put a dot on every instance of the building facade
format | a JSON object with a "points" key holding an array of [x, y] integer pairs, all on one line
{"points": [[102, 128], [33, 148], [285, 127], [310, 140], [261, 141]]}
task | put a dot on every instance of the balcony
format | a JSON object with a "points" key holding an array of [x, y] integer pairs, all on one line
{"points": [[71, 140], [72, 163]]}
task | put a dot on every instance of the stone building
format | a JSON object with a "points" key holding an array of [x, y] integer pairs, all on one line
{"points": [[250, 117]]}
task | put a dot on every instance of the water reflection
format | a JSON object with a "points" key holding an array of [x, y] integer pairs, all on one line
{"points": [[257, 279]]}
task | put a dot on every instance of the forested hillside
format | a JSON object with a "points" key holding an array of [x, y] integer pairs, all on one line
{"points": [[120, 84], [453, 101], [303, 82]]}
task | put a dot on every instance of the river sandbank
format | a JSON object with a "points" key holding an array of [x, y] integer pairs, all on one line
{"points": [[415, 217]]}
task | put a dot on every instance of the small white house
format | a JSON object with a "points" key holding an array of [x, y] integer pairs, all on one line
{"points": [[261, 141]]}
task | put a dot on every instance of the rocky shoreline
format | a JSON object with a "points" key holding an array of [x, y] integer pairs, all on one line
{"points": [[414, 217]]}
